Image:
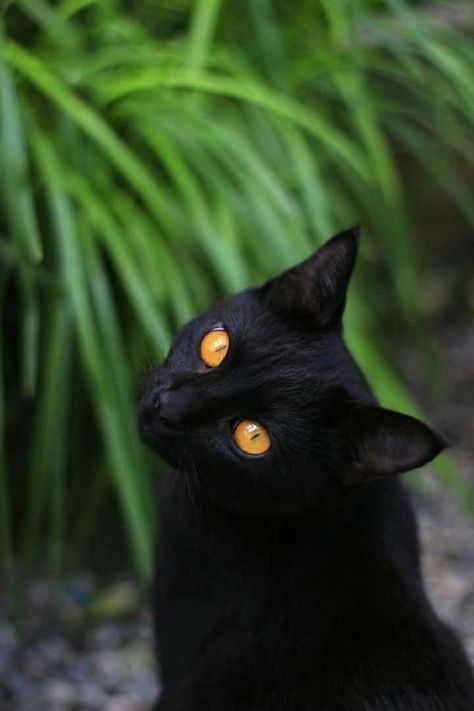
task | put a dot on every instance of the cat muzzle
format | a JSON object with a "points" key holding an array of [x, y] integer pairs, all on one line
{"points": [[167, 406]]}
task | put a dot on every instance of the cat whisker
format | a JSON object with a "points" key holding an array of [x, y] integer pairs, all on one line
{"points": [[189, 486], [175, 478]]}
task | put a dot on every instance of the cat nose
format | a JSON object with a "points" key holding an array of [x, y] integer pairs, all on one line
{"points": [[150, 404], [167, 399], [163, 404], [176, 405]]}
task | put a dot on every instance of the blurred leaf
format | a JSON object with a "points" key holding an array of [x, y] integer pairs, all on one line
{"points": [[6, 542], [112, 422], [202, 25]]}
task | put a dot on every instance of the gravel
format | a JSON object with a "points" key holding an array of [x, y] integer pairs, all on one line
{"points": [[80, 648]]}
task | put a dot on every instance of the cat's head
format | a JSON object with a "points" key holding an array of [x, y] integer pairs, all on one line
{"points": [[260, 403]]}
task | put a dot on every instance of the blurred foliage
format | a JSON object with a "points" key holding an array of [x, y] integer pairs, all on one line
{"points": [[157, 154]]}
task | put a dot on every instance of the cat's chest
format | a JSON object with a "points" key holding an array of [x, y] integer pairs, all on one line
{"points": [[216, 575], [213, 570]]}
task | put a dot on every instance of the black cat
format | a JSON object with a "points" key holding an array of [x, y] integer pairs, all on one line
{"points": [[287, 570]]}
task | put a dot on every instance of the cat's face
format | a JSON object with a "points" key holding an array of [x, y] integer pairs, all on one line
{"points": [[260, 405]]}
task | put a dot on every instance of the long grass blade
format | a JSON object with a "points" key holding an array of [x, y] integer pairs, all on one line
{"points": [[95, 361]]}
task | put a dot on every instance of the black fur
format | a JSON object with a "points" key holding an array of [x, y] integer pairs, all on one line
{"points": [[291, 581]]}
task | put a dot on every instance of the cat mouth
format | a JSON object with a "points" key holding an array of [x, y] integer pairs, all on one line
{"points": [[154, 429], [158, 424]]}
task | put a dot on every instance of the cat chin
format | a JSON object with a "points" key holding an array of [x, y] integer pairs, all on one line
{"points": [[165, 442], [171, 454]]}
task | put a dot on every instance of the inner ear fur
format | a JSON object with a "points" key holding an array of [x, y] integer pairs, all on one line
{"points": [[315, 290], [381, 442]]}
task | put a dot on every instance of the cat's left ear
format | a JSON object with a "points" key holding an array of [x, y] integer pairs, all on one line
{"points": [[380, 442], [315, 290]]}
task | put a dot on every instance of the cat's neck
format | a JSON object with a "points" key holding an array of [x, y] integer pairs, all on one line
{"points": [[376, 511], [368, 538]]}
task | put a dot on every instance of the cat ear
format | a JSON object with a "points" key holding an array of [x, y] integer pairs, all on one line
{"points": [[381, 442], [316, 288]]}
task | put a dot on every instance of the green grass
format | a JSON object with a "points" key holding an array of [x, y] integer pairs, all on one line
{"points": [[157, 157]]}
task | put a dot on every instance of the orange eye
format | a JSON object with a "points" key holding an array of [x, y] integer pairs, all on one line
{"points": [[251, 437], [214, 347]]}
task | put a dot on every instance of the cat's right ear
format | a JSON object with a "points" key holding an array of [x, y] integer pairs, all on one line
{"points": [[315, 290]]}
